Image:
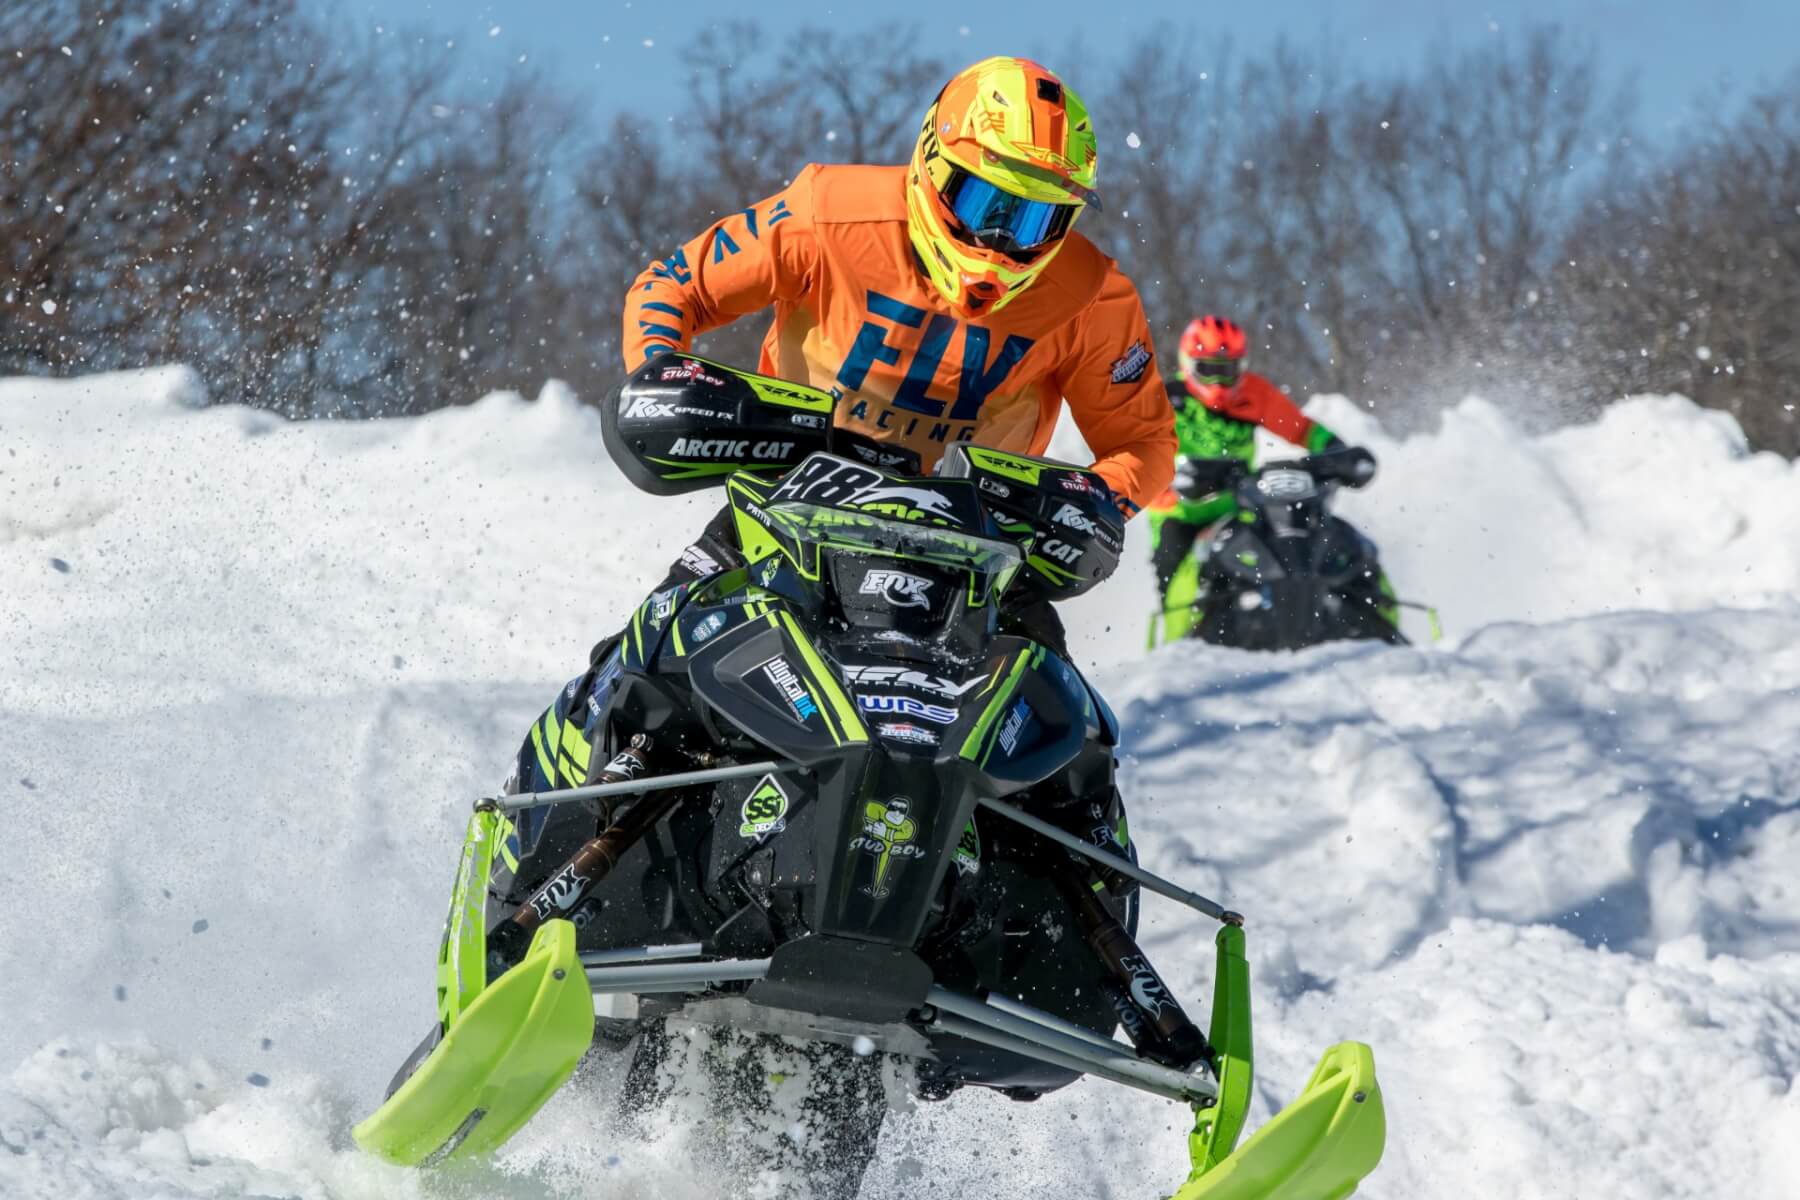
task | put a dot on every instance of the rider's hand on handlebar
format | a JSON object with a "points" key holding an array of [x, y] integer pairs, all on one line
{"points": [[1359, 466], [1351, 466], [1197, 477]]}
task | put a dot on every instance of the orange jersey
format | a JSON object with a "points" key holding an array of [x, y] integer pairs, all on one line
{"points": [[855, 316]]}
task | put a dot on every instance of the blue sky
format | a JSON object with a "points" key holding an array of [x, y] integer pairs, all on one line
{"points": [[1681, 57]]}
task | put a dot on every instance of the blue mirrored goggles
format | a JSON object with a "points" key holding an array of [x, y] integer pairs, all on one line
{"points": [[1002, 221]]}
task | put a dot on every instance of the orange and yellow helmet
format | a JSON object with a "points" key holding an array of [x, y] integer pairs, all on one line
{"points": [[1004, 165]]}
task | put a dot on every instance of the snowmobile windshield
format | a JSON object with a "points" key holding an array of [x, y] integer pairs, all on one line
{"points": [[921, 580]]}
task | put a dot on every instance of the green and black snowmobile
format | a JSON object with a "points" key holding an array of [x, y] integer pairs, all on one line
{"points": [[831, 797], [1283, 572]]}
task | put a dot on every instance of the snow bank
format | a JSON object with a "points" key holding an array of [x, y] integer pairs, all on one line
{"points": [[252, 672], [1657, 505]]}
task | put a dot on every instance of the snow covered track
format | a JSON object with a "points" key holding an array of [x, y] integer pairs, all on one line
{"points": [[251, 673]]}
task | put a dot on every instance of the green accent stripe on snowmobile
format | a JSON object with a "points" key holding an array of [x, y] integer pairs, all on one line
{"points": [[637, 632], [787, 395], [684, 470], [849, 726], [986, 727], [544, 763], [1000, 463], [503, 843], [575, 745], [1053, 572]]}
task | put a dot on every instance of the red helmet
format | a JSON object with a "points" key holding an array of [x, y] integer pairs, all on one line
{"points": [[1212, 351]]}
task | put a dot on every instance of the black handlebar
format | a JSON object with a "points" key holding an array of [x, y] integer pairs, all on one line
{"points": [[1351, 466]]}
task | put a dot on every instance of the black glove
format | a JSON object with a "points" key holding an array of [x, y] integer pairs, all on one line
{"points": [[1351, 466], [1197, 477]]}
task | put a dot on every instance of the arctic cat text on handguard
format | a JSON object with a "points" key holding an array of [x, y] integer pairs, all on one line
{"points": [[862, 812]]}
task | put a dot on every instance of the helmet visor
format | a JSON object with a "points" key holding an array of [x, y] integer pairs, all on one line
{"points": [[1001, 221], [1221, 372]]}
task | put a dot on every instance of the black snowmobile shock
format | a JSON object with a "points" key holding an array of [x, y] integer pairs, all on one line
{"points": [[1152, 1017], [569, 886]]}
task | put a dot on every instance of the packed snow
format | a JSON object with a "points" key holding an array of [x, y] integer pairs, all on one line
{"points": [[252, 672]]}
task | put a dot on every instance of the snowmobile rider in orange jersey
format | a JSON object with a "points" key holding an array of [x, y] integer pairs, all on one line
{"points": [[948, 299], [1218, 407]]}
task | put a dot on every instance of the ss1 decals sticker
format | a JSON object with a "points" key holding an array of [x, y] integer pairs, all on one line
{"points": [[765, 809]]}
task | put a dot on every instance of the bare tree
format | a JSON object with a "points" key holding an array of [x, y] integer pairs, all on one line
{"points": [[1689, 281]]}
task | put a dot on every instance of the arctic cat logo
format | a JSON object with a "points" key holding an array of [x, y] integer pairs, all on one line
{"points": [[885, 458], [1147, 990], [906, 706], [904, 500], [1074, 518], [897, 587], [968, 850], [823, 479], [1062, 552], [729, 448], [888, 832], [560, 894], [783, 677], [765, 809], [907, 677]]}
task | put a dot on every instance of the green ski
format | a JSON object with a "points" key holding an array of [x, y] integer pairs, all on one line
{"points": [[514, 1045]]}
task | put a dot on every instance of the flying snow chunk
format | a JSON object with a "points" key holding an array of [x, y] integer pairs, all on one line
{"points": [[1133, 140], [494, 32], [49, 307]]}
